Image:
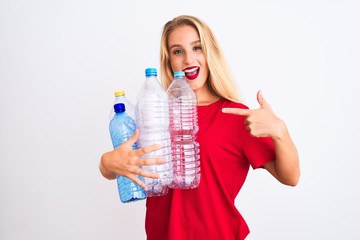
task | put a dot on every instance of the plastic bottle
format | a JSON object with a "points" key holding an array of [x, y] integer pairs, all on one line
{"points": [[152, 117], [121, 98], [183, 128], [122, 127]]}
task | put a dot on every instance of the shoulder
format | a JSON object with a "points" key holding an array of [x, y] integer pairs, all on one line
{"points": [[225, 103]]}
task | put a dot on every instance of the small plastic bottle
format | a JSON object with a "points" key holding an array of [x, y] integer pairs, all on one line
{"points": [[183, 128], [152, 118], [121, 98], [122, 127]]}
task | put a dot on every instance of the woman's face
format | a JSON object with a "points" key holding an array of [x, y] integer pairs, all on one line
{"points": [[186, 55]]}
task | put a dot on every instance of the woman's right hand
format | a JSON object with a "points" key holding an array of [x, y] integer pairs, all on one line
{"points": [[124, 161]]}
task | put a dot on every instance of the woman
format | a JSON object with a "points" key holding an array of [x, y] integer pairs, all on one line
{"points": [[231, 137]]}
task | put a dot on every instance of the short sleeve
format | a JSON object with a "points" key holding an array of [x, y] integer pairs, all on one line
{"points": [[258, 151]]}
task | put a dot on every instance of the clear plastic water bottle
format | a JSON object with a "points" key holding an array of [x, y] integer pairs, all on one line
{"points": [[122, 127], [121, 98], [152, 118], [183, 128]]}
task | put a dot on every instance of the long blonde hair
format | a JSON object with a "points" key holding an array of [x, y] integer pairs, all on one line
{"points": [[220, 80]]}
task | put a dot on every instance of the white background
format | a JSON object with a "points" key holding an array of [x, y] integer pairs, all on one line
{"points": [[61, 61]]}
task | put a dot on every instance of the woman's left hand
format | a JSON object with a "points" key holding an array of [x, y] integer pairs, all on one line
{"points": [[261, 122]]}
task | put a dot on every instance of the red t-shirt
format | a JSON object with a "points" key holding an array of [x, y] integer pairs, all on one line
{"points": [[208, 212]]}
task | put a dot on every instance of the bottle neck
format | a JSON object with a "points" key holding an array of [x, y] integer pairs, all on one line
{"points": [[151, 82], [120, 97], [151, 77], [119, 112], [179, 79]]}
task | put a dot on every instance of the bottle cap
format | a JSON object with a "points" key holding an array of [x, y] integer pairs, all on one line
{"points": [[119, 107], [119, 93], [179, 74], [150, 72]]}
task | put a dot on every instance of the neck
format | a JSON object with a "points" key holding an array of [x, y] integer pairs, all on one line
{"points": [[207, 99]]}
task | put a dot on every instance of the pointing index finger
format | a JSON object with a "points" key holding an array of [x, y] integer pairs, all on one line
{"points": [[237, 111]]}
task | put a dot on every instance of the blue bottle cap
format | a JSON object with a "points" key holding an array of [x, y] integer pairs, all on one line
{"points": [[119, 107], [179, 74], [150, 72]]}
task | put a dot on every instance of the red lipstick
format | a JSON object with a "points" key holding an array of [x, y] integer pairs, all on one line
{"points": [[192, 73]]}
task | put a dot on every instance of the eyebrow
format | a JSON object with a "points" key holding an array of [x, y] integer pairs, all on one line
{"points": [[178, 45]]}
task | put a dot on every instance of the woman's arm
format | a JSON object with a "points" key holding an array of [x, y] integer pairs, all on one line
{"points": [[262, 122], [286, 167], [124, 161]]}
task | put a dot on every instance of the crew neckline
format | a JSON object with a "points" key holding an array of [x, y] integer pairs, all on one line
{"points": [[217, 102]]}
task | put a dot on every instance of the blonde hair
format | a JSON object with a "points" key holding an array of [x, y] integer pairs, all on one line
{"points": [[220, 80]]}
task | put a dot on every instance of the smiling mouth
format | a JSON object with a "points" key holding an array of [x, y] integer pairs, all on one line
{"points": [[192, 73]]}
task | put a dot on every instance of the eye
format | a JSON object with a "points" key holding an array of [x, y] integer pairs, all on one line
{"points": [[197, 48], [177, 51]]}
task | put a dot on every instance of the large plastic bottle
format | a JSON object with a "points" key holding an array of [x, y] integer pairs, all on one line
{"points": [[121, 98], [183, 128], [122, 127], [152, 118]]}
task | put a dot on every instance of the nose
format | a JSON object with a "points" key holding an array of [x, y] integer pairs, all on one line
{"points": [[189, 58]]}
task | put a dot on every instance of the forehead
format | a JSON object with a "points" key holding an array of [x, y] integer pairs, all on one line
{"points": [[183, 35]]}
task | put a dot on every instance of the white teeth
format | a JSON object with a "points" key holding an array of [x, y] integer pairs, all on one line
{"points": [[191, 70]]}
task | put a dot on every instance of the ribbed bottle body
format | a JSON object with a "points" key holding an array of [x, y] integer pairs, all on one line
{"points": [[152, 118], [183, 128]]}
